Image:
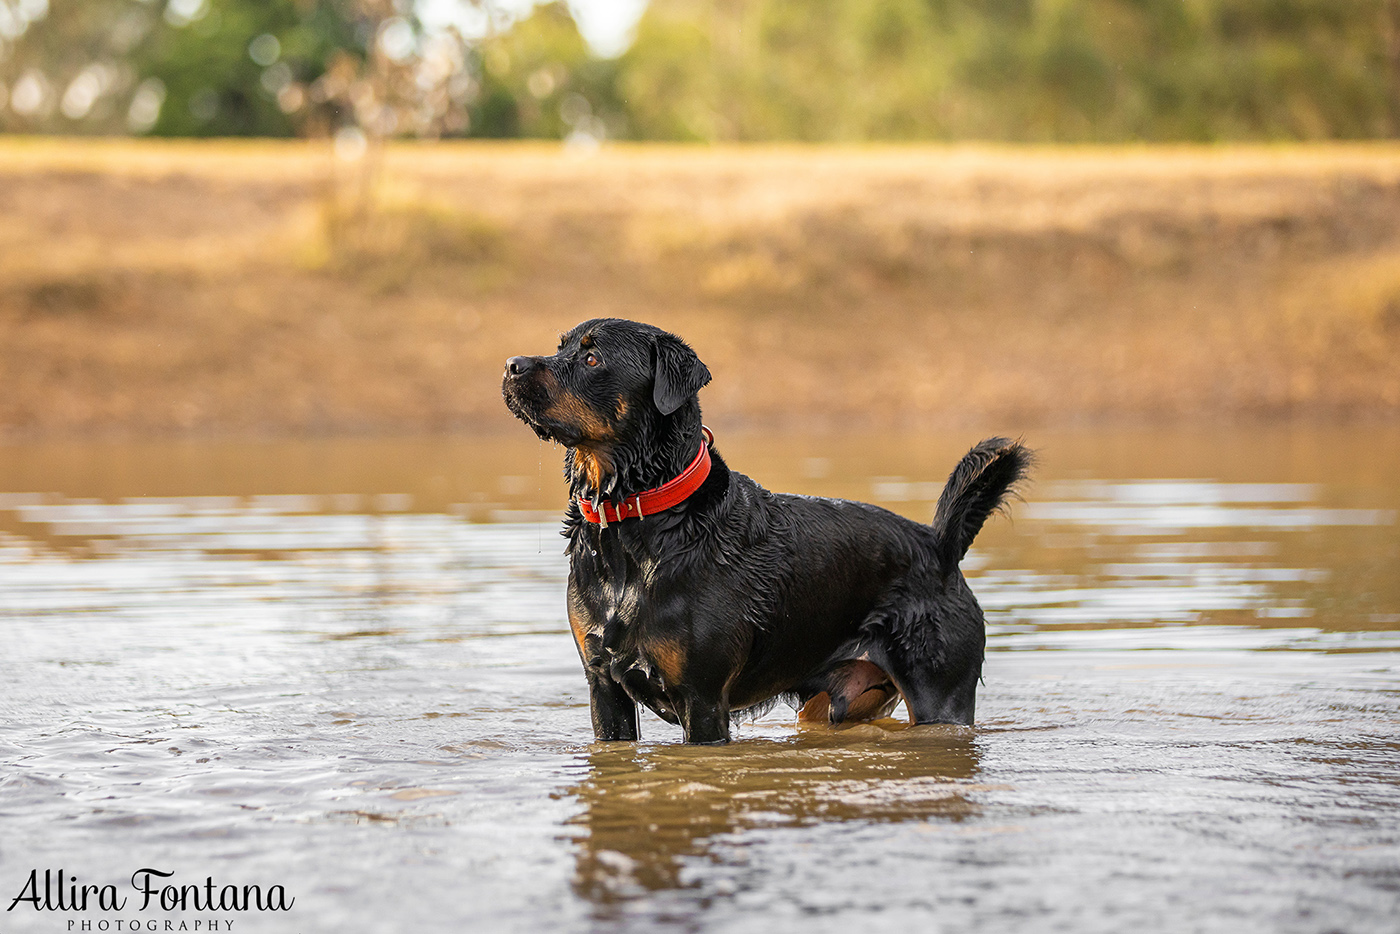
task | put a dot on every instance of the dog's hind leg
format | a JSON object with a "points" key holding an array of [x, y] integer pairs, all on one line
{"points": [[934, 699], [935, 665], [958, 705], [936, 639]]}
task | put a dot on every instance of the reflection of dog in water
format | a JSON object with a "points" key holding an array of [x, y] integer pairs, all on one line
{"points": [[698, 593], [648, 814]]}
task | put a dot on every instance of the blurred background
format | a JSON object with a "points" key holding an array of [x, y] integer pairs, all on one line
{"points": [[330, 216], [831, 70]]}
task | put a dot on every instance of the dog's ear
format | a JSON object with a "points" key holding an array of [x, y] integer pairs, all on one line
{"points": [[678, 373]]}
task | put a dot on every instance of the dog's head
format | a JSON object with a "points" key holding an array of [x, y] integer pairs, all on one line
{"points": [[611, 386]]}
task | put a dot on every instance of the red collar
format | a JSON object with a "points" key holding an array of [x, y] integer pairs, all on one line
{"points": [[650, 502]]}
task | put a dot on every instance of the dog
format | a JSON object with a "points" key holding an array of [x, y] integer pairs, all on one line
{"points": [[698, 593]]}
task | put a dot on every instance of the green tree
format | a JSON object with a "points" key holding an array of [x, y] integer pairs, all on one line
{"points": [[241, 69], [539, 79], [65, 66], [1015, 69], [1033, 70], [228, 67]]}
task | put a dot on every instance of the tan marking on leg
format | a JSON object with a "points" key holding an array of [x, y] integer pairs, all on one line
{"points": [[861, 676], [871, 703], [578, 625], [864, 687], [816, 710]]}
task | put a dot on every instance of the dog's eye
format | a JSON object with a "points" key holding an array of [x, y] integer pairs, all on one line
{"points": [[592, 360]]}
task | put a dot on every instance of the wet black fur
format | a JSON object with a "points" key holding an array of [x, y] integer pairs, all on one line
{"points": [[762, 595]]}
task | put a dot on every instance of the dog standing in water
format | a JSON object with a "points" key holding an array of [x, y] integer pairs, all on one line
{"points": [[698, 593]]}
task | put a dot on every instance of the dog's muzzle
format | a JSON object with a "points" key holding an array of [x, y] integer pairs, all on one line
{"points": [[524, 392], [519, 366]]}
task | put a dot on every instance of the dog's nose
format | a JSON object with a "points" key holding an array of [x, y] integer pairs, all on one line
{"points": [[519, 366]]}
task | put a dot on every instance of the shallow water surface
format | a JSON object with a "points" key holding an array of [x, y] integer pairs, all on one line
{"points": [[343, 667]]}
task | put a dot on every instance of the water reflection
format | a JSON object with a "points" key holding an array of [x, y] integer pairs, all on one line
{"points": [[668, 817], [1163, 506], [1126, 564], [1090, 563]]}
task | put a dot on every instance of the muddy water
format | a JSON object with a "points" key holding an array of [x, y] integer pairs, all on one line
{"points": [[342, 668]]}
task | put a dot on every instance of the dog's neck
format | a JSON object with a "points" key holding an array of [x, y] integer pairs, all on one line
{"points": [[663, 448]]}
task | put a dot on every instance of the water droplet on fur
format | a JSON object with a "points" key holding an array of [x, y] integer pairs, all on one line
{"points": [[593, 552]]}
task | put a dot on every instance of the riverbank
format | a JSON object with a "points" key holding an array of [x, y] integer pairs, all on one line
{"points": [[155, 288]]}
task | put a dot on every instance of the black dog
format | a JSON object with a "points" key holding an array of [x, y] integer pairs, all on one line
{"points": [[695, 591]]}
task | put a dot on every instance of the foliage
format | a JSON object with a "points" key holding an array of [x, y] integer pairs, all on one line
{"points": [[213, 85], [230, 68], [538, 79], [1015, 69], [1032, 70]]}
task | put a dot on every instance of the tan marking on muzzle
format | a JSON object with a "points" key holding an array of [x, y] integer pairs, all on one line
{"points": [[569, 409]]}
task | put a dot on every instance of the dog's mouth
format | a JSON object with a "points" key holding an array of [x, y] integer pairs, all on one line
{"points": [[526, 401], [533, 403]]}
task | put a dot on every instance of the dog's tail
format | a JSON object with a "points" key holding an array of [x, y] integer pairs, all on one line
{"points": [[976, 488]]}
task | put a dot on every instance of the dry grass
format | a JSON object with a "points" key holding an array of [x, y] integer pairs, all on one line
{"points": [[223, 287]]}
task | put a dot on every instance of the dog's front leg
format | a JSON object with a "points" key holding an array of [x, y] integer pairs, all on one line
{"points": [[614, 712], [705, 720]]}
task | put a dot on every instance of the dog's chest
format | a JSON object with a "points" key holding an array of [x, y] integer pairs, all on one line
{"points": [[635, 629]]}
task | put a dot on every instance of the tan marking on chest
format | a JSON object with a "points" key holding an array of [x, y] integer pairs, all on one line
{"points": [[669, 657], [593, 465]]}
